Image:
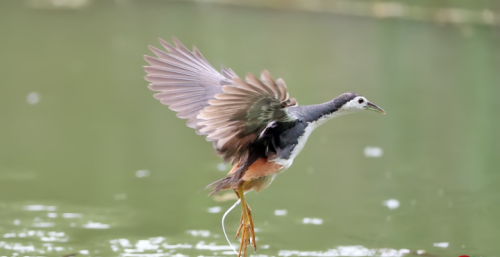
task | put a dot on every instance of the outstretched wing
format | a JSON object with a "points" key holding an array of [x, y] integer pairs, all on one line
{"points": [[229, 111], [235, 118], [185, 79]]}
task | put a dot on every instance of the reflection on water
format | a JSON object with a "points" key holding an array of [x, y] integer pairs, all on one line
{"points": [[45, 230], [355, 250], [41, 231], [91, 164]]}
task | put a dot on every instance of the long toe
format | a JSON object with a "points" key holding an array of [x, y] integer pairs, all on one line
{"points": [[244, 241], [251, 228], [241, 227], [243, 230]]}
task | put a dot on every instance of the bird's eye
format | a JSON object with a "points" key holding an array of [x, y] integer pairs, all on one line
{"points": [[361, 100]]}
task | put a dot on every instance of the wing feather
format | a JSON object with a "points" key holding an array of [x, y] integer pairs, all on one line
{"points": [[236, 117], [229, 111]]}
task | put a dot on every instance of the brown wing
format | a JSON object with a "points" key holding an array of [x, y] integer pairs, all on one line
{"points": [[230, 111], [235, 118], [185, 79]]}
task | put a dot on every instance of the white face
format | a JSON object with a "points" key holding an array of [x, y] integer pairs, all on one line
{"points": [[356, 104]]}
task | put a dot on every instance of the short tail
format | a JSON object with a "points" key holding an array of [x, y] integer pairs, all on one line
{"points": [[220, 184]]}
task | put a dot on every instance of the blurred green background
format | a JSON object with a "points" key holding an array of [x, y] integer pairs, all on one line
{"points": [[91, 163]]}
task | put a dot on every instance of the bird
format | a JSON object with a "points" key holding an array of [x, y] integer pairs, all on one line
{"points": [[252, 123]]}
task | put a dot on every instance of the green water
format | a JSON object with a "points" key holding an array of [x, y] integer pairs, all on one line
{"points": [[91, 163]]}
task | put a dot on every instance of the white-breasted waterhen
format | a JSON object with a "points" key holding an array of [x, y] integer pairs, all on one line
{"points": [[253, 123]]}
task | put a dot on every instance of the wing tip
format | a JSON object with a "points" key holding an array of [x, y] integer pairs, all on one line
{"points": [[281, 81], [165, 44], [150, 87], [152, 48], [151, 60], [176, 42]]}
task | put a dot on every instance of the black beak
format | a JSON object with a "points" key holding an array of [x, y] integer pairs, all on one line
{"points": [[373, 107]]}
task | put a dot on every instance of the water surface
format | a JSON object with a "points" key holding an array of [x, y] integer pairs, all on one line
{"points": [[90, 163]]}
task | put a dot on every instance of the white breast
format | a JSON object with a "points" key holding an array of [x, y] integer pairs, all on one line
{"points": [[303, 139], [296, 150]]}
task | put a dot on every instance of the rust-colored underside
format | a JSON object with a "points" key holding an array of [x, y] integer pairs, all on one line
{"points": [[257, 176], [260, 168]]}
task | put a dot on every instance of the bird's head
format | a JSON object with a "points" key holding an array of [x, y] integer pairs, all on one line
{"points": [[352, 102]]}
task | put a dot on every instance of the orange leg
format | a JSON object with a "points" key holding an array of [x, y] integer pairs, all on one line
{"points": [[242, 224], [246, 223]]}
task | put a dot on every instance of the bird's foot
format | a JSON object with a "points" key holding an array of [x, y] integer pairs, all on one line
{"points": [[247, 232]]}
